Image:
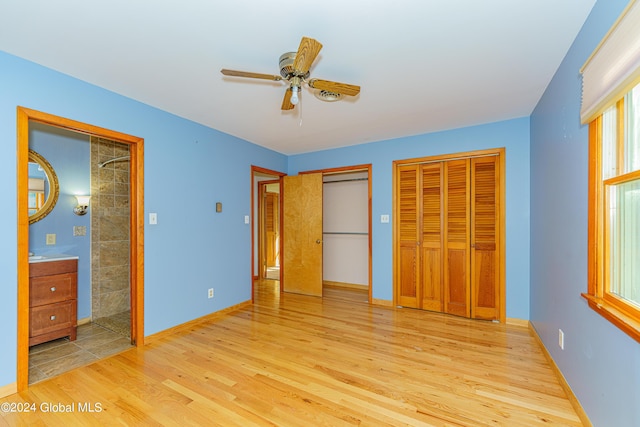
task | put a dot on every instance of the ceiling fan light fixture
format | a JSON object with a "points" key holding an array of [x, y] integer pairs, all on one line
{"points": [[327, 96], [294, 95], [296, 83]]}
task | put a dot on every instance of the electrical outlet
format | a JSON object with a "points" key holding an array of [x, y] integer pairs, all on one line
{"points": [[561, 339], [51, 239], [210, 294]]}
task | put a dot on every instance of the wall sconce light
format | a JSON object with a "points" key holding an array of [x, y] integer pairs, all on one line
{"points": [[83, 205]]}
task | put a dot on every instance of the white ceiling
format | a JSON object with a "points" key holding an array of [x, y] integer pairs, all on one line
{"points": [[423, 65]]}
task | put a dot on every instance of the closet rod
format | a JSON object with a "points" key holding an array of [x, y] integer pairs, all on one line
{"points": [[345, 232], [346, 180]]}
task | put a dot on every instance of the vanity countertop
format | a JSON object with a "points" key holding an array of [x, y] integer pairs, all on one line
{"points": [[51, 257]]}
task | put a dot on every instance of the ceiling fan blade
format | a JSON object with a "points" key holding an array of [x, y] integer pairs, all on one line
{"points": [[286, 101], [341, 88], [235, 73], [307, 53]]}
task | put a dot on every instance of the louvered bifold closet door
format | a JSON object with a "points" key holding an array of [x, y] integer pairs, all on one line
{"points": [[408, 271], [432, 236], [456, 238], [485, 208]]}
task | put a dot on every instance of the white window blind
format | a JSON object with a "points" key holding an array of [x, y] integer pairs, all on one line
{"points": [[614, 67]]}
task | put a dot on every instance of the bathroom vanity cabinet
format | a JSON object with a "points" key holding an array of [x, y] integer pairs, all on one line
{"points": [[53, 295]]}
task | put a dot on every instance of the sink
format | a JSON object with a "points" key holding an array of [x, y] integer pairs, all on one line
{"points": [[51, 257]]}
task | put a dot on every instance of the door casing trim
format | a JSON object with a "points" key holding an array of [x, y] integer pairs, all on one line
{"points": [[255, 170], [136, 207]]}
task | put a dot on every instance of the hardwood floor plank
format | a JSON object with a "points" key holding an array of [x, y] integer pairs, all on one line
{"points": [[292, 360]]}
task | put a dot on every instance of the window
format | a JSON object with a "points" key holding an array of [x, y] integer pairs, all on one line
{"points": [[614, 222], [611, 106]]}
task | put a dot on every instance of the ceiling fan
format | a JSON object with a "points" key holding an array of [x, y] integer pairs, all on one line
{"points": [[294, 69]]}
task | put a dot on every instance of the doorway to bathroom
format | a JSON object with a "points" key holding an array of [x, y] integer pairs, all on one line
{"points": [[117, 233]]}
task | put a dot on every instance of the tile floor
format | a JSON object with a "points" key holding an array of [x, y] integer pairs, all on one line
{"points": [[93, 342], [119, 323]]}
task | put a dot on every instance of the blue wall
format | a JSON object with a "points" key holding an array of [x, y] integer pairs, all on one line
{"points": [[512, 134], [68, 153], [188, 167], [600, 363]]}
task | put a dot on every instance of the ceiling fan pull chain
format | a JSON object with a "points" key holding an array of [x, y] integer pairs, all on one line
{"points": [[300, 107]]}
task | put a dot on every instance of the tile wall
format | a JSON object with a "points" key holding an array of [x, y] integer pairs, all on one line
{"points": [[110, 234]]}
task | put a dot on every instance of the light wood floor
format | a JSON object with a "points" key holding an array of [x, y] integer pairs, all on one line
{"points": [[291, 360]]}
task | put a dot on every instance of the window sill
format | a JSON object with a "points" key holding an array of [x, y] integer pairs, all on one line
{"points": [[623, 321]]}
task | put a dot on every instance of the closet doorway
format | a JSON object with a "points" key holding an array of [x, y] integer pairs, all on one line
{"points": [[327, 231], [449, 234]]}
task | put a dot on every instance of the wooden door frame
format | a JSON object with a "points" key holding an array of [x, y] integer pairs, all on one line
{"points": [[261, 222], [500, 152], [255, 170], [136, 213], [351, 169]]}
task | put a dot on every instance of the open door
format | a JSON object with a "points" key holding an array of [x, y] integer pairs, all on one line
{"points": [[302, 234], [269, 229]]}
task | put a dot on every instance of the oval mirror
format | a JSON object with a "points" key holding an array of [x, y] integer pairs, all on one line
{"points": [[43, 187]]}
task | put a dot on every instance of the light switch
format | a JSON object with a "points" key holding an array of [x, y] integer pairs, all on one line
{"points": [[153, 218], [246, 219], [384, 219], [50, 239]]}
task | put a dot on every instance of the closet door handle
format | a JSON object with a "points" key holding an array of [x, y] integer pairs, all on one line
{"points": [[318, 241], [53, 289], [52, 317]]}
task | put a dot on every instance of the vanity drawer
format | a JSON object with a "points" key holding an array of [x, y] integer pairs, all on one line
{"points": [[37, 269], [52, 289], [52, 317]]}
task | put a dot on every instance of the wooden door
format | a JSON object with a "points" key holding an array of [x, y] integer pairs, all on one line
{"points": [[408, 270], [432, 237], [271, 229], [456, 238], [448, 228], [485, 238], [302, 234]]}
